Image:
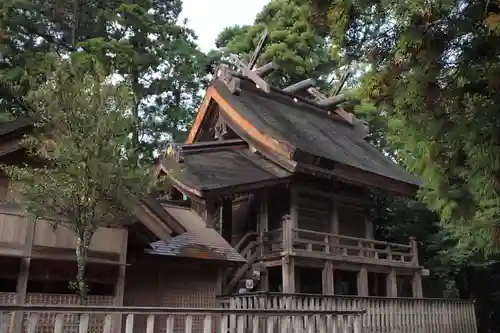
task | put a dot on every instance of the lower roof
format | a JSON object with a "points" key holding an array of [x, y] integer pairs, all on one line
{"points": [[216, 170], [199, 241]]}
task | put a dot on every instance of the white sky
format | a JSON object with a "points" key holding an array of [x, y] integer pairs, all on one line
{"points": [[208, 17]]}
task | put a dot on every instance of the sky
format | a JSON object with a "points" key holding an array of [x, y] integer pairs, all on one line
{"points": [[208, 17]]}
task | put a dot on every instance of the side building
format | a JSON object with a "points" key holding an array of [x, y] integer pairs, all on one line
{"points": [[37, 262]]}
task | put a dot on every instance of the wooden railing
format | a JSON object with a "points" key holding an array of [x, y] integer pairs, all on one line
{"points": [[58, 319], [325, 245], [383, 315], [322, 245], [247, 247]]}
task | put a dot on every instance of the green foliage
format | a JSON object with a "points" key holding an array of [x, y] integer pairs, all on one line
{"points": [[82, 159], [300, 50], [434, 70], [139, 41]]}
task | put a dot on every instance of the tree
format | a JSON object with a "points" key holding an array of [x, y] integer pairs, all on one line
{"points": [[295, 45], [82, 137], [435, 73], [138, 41]]}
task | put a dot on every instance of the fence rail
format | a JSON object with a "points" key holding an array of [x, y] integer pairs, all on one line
{"points": [[102, 319], [383, 315], [328, 246]]}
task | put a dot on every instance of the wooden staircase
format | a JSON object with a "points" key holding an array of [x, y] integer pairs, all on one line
{"points": [[245, 277]]}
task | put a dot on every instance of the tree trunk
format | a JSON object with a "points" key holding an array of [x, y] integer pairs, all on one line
{"points": [[82, 248]]}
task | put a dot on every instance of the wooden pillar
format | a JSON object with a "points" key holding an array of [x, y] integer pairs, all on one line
{"points": [[416, 284], [368, 227], [328, 278], [208, 214], [362, 282], [287, 262], [263, 223], [392, 284], [120, 281], [226, 219], [23, 276], [414, 250], [288, 271], [262, 228], [334, 220]]}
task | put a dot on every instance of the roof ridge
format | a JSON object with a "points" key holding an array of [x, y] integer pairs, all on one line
{"points": [[291, 98]]}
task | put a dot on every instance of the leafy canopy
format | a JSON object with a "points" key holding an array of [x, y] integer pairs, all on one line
{"points": [[295, 45], [434, 72], [83, 162], [141, 42]]}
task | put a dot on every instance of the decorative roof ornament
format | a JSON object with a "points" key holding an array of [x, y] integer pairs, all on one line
{"points": [[174, 151], [332, 100], [249, 70]]}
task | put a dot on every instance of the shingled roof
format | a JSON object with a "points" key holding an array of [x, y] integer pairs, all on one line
{"points": [[14, 125], [309, 129], [212, 169], [198, 241]]}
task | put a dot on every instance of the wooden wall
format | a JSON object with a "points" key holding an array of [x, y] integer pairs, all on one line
{"points": [[14, 229]]}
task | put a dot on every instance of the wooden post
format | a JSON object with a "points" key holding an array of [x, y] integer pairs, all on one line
{"points": [[288, 270], [416, 284], [287, 262], [328, 278], [120, 282], [23, 276], [227, 219], [392, 284], [363, 282], [334, 222], [368, 227], [414, 250], [262, 228], [208, 214]]}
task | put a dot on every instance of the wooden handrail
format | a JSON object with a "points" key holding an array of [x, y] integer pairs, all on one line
{"points": [[242, 241], [364, 240], [105, 318]]}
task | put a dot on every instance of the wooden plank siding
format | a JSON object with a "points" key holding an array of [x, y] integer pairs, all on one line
{"points": [[46, 241]]}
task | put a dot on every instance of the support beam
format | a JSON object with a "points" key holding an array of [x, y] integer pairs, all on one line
{"points": [[287, 262], [262, 228], [362, 282], [334, 219], [23, 276], [209, 213], [416, 284], [328, 278], [288, 271], [392, 284], [120, 282], [368, 227]]}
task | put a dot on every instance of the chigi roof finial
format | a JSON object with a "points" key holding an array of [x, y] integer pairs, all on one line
{"points": [[248, 70], [330, 101]]}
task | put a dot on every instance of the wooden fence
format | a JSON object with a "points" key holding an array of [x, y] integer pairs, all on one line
{"points": [[97, 319], [382, 315]]}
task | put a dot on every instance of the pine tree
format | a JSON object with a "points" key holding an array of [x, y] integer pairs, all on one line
{"points": [[138, 41]]}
